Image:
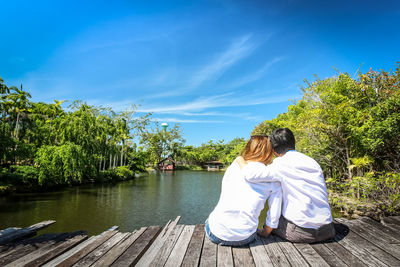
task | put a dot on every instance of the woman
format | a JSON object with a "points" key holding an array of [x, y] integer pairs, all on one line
{"points": [[234, 220]]}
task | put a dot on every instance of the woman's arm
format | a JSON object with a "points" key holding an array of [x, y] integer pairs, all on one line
{"points": [[256, 173]]}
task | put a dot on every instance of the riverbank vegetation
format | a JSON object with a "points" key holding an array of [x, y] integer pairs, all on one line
{"points": [[351, 126], [43, 144]]}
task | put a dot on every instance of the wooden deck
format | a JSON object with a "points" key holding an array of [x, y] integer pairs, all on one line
{"points": [[361, 242]]}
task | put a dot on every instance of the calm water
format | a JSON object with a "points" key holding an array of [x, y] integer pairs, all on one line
{"points": [[144, 201]]}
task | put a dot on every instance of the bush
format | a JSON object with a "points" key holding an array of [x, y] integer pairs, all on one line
{"points": [[25, 175], [124, 172]]}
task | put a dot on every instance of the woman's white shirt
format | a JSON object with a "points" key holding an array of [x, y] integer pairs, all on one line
{"points": [[236, 215]]}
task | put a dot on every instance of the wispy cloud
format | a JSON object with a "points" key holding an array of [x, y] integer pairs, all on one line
{"points": [[177, 120], [225, 100], [239, 49], [254, 76]]}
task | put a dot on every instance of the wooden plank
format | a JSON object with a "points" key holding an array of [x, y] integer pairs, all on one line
{"points": [[155, 247], [208, 253], [74, 255], [179, 250], [56, 251], [163, 254], [310, 255], [395, 219], [331, 258], [117, 250], [96, 254], [275, 252], [68, 253], [392, 235], [27, 247], [132, 255], [260, 255], [291, 253], [20, 233], [224, 256], [193, 253], [359, 247], [8, 231], [389, 223], [242, 256], [379, 238], [38, 253]]}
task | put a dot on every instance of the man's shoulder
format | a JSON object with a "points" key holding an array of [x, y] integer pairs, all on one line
{"points": [[296, 158]]}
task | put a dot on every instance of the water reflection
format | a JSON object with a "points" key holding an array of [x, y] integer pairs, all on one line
{"points": [[148, 200]]}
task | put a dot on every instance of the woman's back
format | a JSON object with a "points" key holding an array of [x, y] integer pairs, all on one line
{"points": [[236, 215]]}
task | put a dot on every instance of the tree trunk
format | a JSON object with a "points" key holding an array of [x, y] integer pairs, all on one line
{"points": [[122, 153], [101, 158]]}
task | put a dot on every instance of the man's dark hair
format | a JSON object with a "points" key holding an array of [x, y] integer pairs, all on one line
{"points": [[282, 140]]}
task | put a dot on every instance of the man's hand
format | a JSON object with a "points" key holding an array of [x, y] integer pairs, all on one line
{"points": [[265, 232], [240, 160]]}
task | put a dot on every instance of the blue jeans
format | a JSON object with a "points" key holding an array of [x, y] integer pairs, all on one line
{"points": [[221, 242]]}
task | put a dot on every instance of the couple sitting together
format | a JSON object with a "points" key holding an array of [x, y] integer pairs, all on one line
{"points": [[293, 184]]}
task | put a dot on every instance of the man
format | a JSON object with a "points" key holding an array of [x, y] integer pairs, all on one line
{"points": [[306, 215]]}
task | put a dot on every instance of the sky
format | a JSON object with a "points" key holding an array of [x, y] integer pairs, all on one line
{"points": [[218, 68]]}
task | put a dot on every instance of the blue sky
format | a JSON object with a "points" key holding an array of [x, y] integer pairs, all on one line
{"points": [[218, 68]]}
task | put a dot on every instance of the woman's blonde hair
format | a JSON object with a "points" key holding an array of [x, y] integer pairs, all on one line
{"points": [[258, 148]]}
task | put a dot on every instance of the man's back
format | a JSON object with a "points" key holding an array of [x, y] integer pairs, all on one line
{"points": [[305, 197]]}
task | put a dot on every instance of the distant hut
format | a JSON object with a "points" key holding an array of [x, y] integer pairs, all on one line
{"points": [[215, 165], [167, 164]]}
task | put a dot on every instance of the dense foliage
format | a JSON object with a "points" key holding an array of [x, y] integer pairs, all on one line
{"points": [[351, 126], [44, 144]]}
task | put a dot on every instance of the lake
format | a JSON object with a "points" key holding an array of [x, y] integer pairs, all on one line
{"points": [[149, 200]]}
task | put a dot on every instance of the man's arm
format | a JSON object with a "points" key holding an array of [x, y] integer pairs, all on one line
{"points": [[256, 173]]}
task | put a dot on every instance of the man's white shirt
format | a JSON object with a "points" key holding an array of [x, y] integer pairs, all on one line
{"points": [[305, 197]]}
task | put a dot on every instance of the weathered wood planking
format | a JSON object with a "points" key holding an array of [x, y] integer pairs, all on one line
{"points": [[77, 253], [117, 250], [260, 255], [152, 251], [27, 247], [274, 252], [45, 252], [362, 242], [132, 255], [208, 253], [56, 251], [24, 232], [291, 253], [377, 237], [310, 255], [162, 255], [242, 256], [93, 256], [331, 258], [377, 227], [179, 250], [224, 256], [355, 245], [193, 252]]}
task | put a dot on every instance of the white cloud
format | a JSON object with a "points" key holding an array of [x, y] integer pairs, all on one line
{"points": [[225, 100], [177, 120], [239, 49], [254, 76]]}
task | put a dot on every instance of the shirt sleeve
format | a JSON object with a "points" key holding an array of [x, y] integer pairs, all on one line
{"points": [[257, 173], [275, 206]]}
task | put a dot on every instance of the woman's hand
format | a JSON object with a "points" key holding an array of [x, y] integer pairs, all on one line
{"points": [[265, 232], [240, 160]]}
